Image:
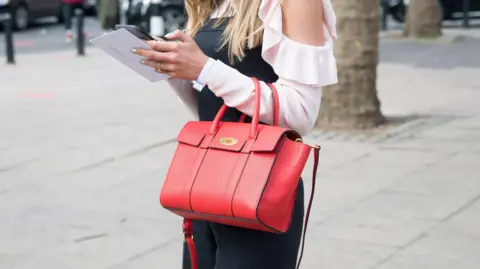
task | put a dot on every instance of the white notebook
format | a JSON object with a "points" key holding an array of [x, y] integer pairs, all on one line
{"points": [[119, 45]]}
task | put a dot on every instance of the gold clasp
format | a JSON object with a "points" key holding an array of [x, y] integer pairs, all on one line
{"points": [[228, 141]]}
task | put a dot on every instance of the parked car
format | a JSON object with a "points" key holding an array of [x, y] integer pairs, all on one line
{"points": [[450, 9], [138, 12], [25, 12]]}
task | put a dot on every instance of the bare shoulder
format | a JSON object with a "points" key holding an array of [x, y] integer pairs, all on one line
{"points": [[303, 21]]}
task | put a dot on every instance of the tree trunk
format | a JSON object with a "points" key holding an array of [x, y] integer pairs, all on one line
{"points": [[424, 19], [353, 102]]}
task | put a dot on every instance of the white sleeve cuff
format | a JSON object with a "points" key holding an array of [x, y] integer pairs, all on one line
{"points": [[201, 81]]}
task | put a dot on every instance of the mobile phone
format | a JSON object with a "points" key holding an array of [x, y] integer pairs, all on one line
{"points": [[136, 31]]}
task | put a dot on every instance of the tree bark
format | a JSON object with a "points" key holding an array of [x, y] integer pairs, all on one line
{"points": [[424, 19], [353, 102]]}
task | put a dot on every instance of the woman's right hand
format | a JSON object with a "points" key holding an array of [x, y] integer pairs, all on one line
{"points": [[184, 59]]}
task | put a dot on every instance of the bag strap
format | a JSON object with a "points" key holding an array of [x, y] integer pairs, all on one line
{"points": [[188, 234], [188, 231], [316, 153], [276, 103], [276, 106], [255, 116]]}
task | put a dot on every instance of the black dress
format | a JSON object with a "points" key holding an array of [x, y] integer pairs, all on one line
{"points": [[225, 247]]}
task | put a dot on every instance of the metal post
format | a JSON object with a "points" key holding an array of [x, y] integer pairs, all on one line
{"points": [[80, 36], [466, 15], [157, 22], [385, 9], [8, 28]]}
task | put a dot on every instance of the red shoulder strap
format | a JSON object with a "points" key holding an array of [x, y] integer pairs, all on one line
{"points": [[188, 233], [316, 153]]}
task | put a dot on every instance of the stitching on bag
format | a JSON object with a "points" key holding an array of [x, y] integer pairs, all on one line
{"points": [[195, 179], [236, 186]]}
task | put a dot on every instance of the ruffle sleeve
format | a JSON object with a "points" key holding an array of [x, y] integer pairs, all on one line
{"points": [[318, 65]]}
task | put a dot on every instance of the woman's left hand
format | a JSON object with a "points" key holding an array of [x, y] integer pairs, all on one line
{"points": [[183, 60]]}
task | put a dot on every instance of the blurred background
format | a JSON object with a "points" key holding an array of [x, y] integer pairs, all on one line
{"points": [[85, 143]]}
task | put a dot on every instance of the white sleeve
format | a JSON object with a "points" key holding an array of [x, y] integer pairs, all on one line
{"points": [[302, 70]]}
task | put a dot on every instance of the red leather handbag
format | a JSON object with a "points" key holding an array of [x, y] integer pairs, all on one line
{"points": [[235, 173]]}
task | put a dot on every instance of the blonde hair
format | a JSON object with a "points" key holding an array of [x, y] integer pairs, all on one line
{"points": [[243, 31]]}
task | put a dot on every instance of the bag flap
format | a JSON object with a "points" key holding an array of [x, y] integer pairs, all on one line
{"points": [[269, 136], [193, 132], [232, 136]]}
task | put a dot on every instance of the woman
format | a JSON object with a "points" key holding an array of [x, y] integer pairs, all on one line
{"points": [[226, 43], [69, 7]]}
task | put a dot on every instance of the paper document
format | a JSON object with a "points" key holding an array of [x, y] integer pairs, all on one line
{"points": [[119, 45]]}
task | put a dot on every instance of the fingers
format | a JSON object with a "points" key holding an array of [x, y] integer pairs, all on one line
{"points": [[180, 35], [166, 68], [164, 55], [163, 46], [150, 63], [154, 55]]}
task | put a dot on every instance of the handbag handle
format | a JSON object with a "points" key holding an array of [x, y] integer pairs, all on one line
{"points": [[276, 105], [256, 110]]}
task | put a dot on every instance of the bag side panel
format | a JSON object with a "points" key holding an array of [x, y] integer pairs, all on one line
{"points": [[251, 184], [277, 200]]}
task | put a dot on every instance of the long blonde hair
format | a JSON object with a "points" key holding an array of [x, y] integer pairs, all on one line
{"points": [[243, 30]]}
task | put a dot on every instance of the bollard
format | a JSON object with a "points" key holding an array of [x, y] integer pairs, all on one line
{"points": [[466, 15], [80, 36], [385, 10], [8, 28], [157, 23]]}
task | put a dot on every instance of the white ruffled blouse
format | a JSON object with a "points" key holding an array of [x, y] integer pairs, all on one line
{"points": [[302, 70]]}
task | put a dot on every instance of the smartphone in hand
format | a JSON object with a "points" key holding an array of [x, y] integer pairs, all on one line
{"points": [[136, 31]]}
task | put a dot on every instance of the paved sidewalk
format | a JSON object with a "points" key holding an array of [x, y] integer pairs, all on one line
{"points": [[85, 144]]}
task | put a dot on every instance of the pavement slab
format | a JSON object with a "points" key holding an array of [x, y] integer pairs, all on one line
{"points": [[85, 145]]}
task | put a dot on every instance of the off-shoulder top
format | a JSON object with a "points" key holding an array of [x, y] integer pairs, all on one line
{"points": [[302, 71]]}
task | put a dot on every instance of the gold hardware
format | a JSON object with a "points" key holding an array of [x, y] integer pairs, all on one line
{"points": [[299, 140], [315, 146], [228, 141]]}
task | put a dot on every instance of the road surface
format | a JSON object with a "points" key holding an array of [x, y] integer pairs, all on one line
{"points": [[46, 36]]}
